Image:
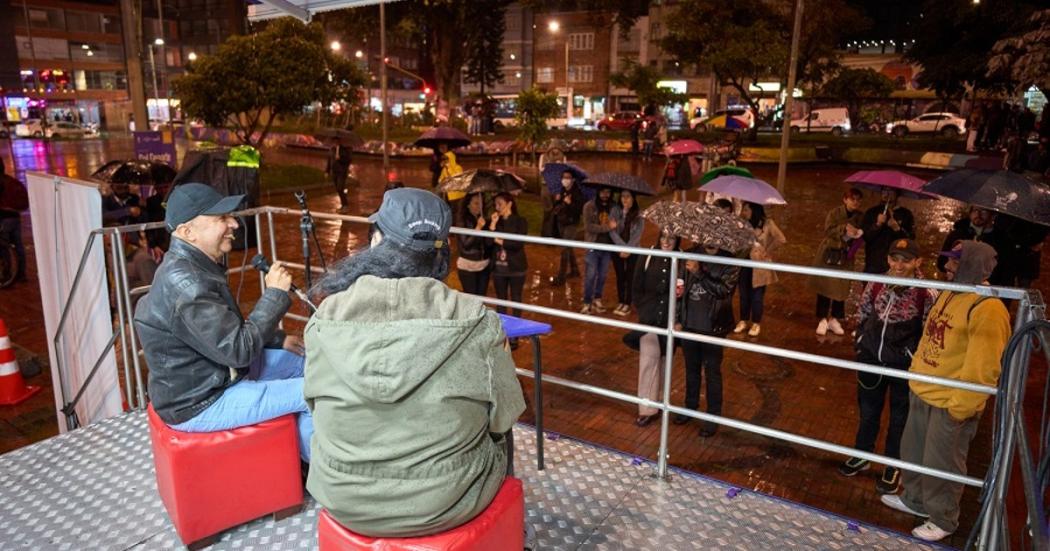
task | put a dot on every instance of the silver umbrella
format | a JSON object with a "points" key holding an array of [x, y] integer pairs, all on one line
{"points": [[702, 224]]}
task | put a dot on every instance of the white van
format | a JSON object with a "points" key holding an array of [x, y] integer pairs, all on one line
{"points": [[828, 119]]}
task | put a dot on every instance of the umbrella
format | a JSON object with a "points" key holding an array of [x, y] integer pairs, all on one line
{"points": [[482, 180], [442, 135], [747, 189], [348, 137], [999, 190], [704, 224], [683, 147], [724, 171], [552, 177], [619, 180], [906, 184]]}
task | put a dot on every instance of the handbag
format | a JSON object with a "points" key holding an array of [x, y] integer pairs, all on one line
{"points": [[834, 257]]}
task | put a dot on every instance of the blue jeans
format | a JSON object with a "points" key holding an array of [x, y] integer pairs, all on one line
{"points": [[277, 391], [596, 266]]}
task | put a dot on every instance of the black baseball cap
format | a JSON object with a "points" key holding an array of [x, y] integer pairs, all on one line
{"points": [[408, 214], [907, 248], [188, 201]]}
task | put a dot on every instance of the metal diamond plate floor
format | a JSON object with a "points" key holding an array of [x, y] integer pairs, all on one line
{"points": [[94, 489]]}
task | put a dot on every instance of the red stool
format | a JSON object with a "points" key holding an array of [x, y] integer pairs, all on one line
{"points": [[213, 481], [499, 527]]}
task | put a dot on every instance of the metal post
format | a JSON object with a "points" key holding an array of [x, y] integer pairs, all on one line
{"points": [[665, 415], [382, 88], [131, 22], [118, 292], [785, 131], [123, 271], [259, 245], [156, 90], [163, 60], [32, 51]]}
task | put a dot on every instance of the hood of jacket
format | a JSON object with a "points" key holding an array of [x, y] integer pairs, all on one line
{"points": [[976, 263], [376, 314]]}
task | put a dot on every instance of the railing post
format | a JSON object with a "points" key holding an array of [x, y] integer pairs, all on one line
{"points": [[119, 295], [661, 462], [259, 248], [122, 270]]}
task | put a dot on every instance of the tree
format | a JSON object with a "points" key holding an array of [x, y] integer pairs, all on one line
{"points": [[854, 85], [1025, 57], [253, 80], [534, 107], [485, 45], [642, 80]]}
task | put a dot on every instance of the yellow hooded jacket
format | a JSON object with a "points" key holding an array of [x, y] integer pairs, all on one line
{"points": [[451, 168], [964, 340]]}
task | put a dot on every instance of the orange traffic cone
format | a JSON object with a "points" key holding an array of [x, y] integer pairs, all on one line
{"points": [[13, 389]]}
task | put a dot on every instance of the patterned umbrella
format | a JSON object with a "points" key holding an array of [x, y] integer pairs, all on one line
{"points": [[483, 180], [751, 190], [726, 170], [348, 137], [683, 147], [442, 135], [552, 177], [619, 180], [906, 184], [999, 190], [702, 224]]}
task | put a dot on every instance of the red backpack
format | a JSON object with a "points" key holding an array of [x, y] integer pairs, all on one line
{"points": [[13, 195]]}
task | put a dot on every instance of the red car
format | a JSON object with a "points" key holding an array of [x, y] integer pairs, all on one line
{"points": [[619, 121]]}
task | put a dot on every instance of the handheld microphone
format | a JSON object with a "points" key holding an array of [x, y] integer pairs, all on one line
{"points": [[260, 263]]}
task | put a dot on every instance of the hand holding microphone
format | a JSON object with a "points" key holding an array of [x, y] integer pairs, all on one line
{"points": [[278, 277]]}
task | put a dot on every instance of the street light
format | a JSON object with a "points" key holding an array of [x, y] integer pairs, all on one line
{"points": [[192, 56], [336, 46], [554, 27], [359, 54], [153, 68], [158, 41]]}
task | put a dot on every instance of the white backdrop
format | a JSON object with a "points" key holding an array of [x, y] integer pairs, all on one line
{"points": [[64, 212]]}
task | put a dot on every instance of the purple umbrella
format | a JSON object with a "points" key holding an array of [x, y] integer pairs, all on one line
{"points": [[747, 189], [906, 184], [442, 135]]}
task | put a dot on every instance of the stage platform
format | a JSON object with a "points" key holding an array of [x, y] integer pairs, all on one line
{"points": [[94, 489]]}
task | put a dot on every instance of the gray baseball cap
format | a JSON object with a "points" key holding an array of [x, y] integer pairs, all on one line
{"points": [[188, 201], [415, 218]]}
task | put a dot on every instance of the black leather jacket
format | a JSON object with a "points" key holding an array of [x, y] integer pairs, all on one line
{"points": [[706, 305], [192, 332]]}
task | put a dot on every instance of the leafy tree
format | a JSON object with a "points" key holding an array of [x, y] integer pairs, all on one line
{"points": [[253, 80], [485, 46], [1024, 58], [642, 80], [534, 107], [854, 85]]}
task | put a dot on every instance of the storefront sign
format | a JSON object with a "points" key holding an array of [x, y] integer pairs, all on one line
{"points": [[155, 146]]}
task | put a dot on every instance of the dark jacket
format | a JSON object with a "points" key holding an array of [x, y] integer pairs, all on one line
{"points": [[891, 322], [116, 210], [471, 247], [877, 239], [192, 332], [339, 158], [596, 222], [568, 214], [706, 305], [650, 288], [962, 230], [509, 258]]}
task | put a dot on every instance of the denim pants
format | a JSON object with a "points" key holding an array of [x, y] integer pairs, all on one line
{"points": [[277, 391], [596, 265], [871, 397]]}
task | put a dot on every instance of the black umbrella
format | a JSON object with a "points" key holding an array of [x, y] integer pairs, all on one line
{"points": [[136, 172], [483, 180], [998, 190], [618, 180], [442, 135], [348, 137]]}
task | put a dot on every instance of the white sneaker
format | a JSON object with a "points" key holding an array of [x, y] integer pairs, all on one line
{"points": [[836, 327], [586, 309], [755, 330], [597, 305], [929, 531], [620, 310], [894, 501], [822, 327], [741, 326]]}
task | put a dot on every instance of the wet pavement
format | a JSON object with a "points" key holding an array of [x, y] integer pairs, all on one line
{"points": [[811, 400]]}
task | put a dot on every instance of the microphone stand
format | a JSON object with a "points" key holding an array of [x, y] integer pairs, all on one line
{"points": [[306, 227]]}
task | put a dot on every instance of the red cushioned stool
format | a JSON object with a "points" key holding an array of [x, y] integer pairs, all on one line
{"points": [[499, 527], [213, 481]]}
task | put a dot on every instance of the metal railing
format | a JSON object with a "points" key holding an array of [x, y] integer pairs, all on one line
{"points": [[1010, 389]]}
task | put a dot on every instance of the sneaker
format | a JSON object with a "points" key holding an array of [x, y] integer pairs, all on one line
{"points": [[598, 306], [853, 466], [621, 310], [890, 481], [894, 501], [929, 531], [755, 330], [626, 310], [822, 327], [836, 327], [586, 309], [741, 326]]}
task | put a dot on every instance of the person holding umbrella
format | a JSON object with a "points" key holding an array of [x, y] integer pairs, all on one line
{"points": [[883, 225], [338, 168], [597, 225], [564, 209], [473, 263], [628, 232], [753, 281]]}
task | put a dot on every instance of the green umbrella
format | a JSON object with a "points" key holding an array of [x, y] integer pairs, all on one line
{"points": [[727, 170]]}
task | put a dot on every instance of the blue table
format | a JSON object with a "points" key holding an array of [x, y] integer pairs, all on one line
{"points": [[517, 328]]}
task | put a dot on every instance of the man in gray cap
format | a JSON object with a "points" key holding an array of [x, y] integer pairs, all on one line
{"points": [[411, 383], [210, 368], [963, 339]]}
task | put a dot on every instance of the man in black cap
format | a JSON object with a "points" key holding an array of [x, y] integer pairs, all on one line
{"points": [[210, 368]]}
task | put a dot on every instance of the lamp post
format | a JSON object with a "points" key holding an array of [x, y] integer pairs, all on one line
{"points": [[553, 26], [153, 68]]}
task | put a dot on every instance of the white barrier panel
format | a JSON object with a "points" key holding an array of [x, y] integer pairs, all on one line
{"points": [[64, 212]]}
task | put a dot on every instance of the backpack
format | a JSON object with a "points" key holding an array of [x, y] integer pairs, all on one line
{"points": [[13, 195]]}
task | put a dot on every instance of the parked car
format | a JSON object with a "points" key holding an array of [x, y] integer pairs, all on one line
{"points": [[948, 125], [829, 119], [30, 128], [70, 130], [732, 118], [619, 121]]}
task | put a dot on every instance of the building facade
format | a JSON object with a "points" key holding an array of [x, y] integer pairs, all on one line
{"points": [[572, 58]]}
